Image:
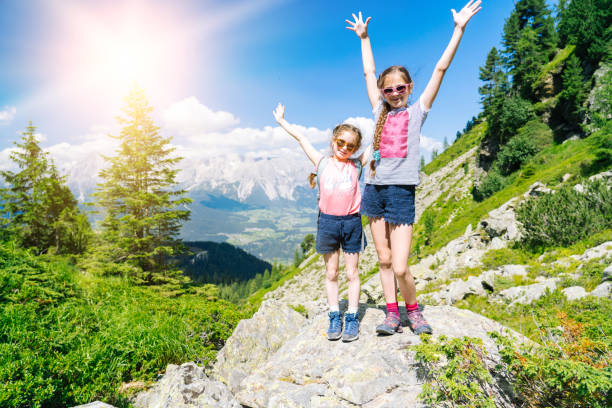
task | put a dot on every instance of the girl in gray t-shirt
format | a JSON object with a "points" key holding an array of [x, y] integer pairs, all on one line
{"points": [[393, 173]]}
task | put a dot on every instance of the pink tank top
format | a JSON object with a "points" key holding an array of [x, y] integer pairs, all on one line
{"points": [[339, 192]]}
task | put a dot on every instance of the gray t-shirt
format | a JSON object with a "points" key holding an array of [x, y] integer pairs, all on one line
{"points": [[399, 145]]}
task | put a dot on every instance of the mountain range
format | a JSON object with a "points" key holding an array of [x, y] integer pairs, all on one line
{"points": [[262, 205]]}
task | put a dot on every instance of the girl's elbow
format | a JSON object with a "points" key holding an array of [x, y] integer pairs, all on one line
{"points": [[441, 68]]}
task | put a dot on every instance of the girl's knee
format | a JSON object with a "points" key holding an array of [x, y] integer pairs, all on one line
{"points": [[352, 275], [402, 273], [384, 259], [331, 274]]}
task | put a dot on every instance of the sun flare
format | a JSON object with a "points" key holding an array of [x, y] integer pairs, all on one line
{"points": [[108, 50]]}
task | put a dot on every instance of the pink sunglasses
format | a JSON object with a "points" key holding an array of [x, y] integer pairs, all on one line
{"points": [[400, 89]]}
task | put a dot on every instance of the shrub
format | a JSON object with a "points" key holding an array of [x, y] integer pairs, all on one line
{"points": [[516, 152], [489, 185], [463, 380], [571, 370], [508, 116], [567, 216]]}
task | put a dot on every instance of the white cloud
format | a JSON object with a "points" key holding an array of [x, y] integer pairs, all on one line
{"points": [[429, 144], [190, 117], [7, 114], [5, 159]]}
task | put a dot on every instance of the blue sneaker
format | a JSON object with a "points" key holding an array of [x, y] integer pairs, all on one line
{"points": [[335, 326], [351, 327]]}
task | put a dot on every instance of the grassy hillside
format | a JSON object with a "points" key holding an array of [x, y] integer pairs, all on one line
{"points": [[575, 157], [68, 338]]}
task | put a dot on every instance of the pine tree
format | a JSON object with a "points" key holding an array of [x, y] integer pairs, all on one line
{"points": [[573, 94], [445, 144], [422, 165], [36, 197], [494, 79], [143, 209], [586, 24], [529, 41]]}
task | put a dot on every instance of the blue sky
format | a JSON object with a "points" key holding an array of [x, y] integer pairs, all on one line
{"points": [[228, 63]]}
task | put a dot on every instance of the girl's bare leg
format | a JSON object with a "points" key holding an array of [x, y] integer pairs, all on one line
{"points": [[401, 239], [331, 277], [352, 274], [382, 242]]}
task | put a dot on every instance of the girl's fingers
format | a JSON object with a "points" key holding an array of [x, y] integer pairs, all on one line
{"points": [[355, 17], [368, 20], [350, 28]]}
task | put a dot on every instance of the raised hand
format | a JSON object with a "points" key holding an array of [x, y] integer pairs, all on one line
{"points": [[359, 26], [467, 12], [279, 112]]}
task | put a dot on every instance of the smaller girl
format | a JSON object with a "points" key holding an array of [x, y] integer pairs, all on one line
{"points": [[339, 223]]}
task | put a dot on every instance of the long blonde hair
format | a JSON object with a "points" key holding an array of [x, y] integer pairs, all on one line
{"points": [[312, 177], [385, 109]]}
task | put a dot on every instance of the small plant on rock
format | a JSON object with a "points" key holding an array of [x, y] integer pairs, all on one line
{"points": [[456, 370]]}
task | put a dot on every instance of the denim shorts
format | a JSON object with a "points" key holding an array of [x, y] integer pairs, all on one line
{"points": [[394, 203], [335, 231]]}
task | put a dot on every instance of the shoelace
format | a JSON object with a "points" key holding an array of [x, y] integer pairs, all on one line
{"points": [[351, 323], [391, 320], [416, 319], [336, 323]]}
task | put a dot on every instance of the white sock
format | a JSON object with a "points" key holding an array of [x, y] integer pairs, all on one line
{"points": [[352, 310], [334, 308]]}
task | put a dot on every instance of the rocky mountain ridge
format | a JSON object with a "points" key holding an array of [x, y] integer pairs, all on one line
{"points": [[281, 358]]}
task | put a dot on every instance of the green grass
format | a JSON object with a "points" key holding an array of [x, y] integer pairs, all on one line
{"points": [[593, 312], [256, 298], [555, 63], [462, 145], [68, 338], [548, 166]]}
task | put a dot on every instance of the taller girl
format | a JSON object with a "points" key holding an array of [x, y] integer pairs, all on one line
{"points": [[391, 178]]}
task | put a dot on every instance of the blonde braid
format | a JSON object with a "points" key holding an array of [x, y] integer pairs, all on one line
{"points": [[377, 132]]}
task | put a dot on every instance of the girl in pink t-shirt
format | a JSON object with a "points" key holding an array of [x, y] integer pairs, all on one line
{"points": [[339, 223]]}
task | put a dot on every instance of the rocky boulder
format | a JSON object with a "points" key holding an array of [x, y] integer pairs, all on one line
{"points": [[186, 386], [310, 371]]}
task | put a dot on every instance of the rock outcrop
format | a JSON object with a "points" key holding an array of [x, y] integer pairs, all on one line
{"points": [[304, 369]]}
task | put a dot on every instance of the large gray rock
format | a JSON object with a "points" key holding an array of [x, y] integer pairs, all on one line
{"points": [[310, 371], [600, 251], [254, 340], [527, 294], [603, 290], [186, 386], [459, 289], [574, 292], [502, 222], [607, 274]]}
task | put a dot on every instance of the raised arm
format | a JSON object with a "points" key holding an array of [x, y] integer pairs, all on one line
{"points": [[313, 154], [366, 156], [461, 19], [361, 29]]}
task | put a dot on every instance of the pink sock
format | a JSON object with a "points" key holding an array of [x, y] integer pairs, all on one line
{"points": [[393, 308], [412, 308]]}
